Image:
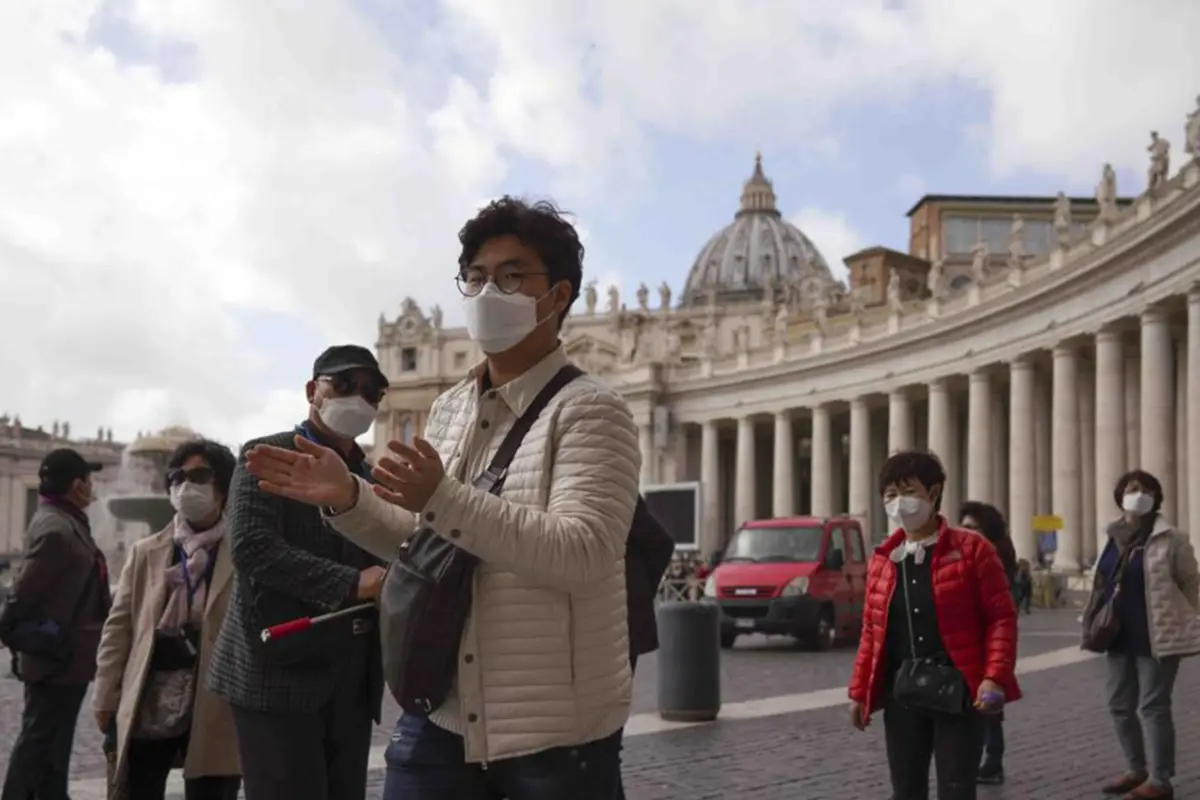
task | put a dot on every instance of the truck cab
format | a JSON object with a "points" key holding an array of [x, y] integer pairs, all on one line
{"points": [[798, 576]]}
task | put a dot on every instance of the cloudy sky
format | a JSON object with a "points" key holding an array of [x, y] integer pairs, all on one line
{"points": [[196, 196]]}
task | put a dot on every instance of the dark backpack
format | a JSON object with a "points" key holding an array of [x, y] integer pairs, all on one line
{"points": [[648, 552]]}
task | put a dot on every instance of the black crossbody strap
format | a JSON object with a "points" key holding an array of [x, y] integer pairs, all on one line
{"points": [[492, 478]]}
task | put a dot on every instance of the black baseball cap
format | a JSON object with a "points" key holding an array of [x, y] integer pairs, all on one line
{"points": [[345, 357], [60, 468]]}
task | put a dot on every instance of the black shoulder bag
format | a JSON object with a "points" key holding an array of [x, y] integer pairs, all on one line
{"points": [[426, 595], [1101, 622], [928, 684]]}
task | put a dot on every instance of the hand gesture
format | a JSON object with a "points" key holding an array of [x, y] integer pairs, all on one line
{"points": [[860, 718], [990, 698], [370, 581], [409, 480], [314, 474]]}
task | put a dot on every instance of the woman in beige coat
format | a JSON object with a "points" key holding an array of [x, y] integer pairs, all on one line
{"points": [[158, 639]]}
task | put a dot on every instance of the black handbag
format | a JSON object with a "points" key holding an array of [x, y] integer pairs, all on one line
{"points": [[426, 594], [1101, 623], [928, 684]]}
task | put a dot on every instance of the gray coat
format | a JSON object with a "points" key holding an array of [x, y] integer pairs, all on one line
{"points": [[63, 577]]}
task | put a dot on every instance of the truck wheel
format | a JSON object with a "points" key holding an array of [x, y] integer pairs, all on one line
{"points": [[826, 631], [727, 640]]}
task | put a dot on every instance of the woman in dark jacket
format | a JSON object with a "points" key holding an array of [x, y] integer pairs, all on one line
{"points": [[938, 614], [987, 520]]}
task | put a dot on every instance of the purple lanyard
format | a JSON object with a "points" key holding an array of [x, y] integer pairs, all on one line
{"points": [[187, 574]]}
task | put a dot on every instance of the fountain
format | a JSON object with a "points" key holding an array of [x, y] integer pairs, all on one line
{"points": [[141, 491]]}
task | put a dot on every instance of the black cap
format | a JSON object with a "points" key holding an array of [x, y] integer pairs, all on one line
{"points": [[60, 468], [345, 357]]}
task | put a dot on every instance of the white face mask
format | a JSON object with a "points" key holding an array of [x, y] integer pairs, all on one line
{"points": [[908, 512], [498, 321], [348, 417], [1138, 503], [196, 502]]}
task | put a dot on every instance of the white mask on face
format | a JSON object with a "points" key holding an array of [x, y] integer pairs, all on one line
{"points": [[499, 321], [908, 512], [1138, 503], [196, 502], [348, 417]]}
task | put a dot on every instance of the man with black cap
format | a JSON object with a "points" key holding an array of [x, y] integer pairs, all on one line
{"points": [[304, 705], [52, 620]]}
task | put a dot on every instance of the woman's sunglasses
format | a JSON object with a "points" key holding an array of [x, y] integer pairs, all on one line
{"points": [[201, 476]]}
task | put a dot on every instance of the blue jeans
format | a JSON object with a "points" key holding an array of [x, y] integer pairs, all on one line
{"points": [[425, 762]]}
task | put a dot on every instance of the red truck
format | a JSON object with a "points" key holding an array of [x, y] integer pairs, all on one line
{"points": [[800, 576]]}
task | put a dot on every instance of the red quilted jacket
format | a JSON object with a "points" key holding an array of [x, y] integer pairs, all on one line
{"points": [[975, 614]]}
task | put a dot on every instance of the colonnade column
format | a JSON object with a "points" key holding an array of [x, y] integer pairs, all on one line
{"points": [[900, 421], [942, 441], [744, 488], [821, 483], [1110, 425], [1193, 415], [979, 439], [1065, 482], [1133, 405], [1157, 405], [1022, 462], [1043, 441], [710, 487], [783, 491], [861, 480], [646, 446], [1087, 466]]}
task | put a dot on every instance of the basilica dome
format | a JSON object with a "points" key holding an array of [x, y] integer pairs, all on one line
{"points": [[759, 250]]}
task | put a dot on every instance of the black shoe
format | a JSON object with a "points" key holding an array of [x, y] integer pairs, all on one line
{"points": [[990, 775]]}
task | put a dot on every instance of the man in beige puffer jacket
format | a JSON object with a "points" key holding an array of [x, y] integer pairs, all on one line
{"points": [[543, 681]]}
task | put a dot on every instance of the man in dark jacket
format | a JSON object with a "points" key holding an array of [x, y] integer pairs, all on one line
{"points": [[303, 705], [52, 620]]}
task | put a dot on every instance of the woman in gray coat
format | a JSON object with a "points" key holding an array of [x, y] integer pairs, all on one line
{"points": [[1148, 573]]}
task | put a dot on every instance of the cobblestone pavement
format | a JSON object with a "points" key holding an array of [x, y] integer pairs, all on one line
{"points": [[1060, 740]]}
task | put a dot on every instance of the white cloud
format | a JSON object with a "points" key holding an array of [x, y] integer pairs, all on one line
{"points": [[1073, 83], [833, 235], [293, 175]]}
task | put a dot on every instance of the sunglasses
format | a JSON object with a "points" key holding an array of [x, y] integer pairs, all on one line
{"points": [[201, 476], [345, 386]]}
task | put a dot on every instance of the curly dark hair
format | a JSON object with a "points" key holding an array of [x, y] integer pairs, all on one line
{"points": [[994, 528], [1151, 483], [539, 225], [991, 522], [922, 466], [219, 457]]}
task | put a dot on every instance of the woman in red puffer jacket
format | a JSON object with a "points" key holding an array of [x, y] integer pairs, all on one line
{"points": [[939, 637]]}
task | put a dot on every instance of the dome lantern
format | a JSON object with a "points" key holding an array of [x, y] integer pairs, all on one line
{"points": [[758, 195]]}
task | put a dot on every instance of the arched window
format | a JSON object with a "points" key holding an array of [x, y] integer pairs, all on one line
{"points": [[408, 432]]}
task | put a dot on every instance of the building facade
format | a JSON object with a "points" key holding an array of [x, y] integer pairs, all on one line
{"points": [[1040, 346], [21, 452]]}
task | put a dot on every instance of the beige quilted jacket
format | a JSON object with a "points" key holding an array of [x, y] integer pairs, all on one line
{"points": [[1172, 592], [545, 654]]}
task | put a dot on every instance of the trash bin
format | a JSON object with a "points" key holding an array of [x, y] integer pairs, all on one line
{"points": [[689, 662]]}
